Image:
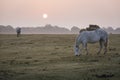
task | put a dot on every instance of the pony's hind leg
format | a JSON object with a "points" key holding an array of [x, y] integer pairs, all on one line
{"points": [[101, 46], [105, 44]]}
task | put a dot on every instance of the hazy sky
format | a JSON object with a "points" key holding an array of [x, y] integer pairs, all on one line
{"points": [[64, 13]]}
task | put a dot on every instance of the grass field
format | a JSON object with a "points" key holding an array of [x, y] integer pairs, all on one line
{"points": [[51, 57]]}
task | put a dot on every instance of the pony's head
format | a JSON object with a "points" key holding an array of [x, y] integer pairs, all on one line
{"points": [[76, 49]]}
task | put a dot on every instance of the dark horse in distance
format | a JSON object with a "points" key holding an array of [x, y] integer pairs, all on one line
{"points": [[18, 30]]}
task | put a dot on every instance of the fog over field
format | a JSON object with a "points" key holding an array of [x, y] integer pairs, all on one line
{"points": [[50, 29]]}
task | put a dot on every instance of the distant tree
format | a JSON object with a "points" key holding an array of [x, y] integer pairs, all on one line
{"points": [[75, 30], [48, 26], [9, 28], [110, 30], [2, 28], [117, 31], [6, 29]]}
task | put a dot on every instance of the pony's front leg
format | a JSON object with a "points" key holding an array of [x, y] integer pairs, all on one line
{"points": [[86, 51], [85, 47]]}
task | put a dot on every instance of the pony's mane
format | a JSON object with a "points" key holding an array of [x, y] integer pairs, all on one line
{"points": [[90, 28], [82, 30]]}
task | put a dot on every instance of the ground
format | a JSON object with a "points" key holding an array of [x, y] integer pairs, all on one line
{"points": [[51, 57]]}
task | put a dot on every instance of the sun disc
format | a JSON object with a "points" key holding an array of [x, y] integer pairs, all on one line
{"points": [[45, 16]]}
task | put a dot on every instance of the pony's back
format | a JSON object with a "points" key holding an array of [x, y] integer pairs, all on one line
{"points": [[93, 35]]}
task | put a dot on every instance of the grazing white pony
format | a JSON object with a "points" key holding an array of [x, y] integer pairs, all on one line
{"points": [[98, 35]]}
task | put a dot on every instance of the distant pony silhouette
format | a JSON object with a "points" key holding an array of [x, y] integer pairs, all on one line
{"points": [[98, 35], [18, 30]]}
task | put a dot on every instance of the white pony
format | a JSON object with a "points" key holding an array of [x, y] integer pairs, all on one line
{"points": [[98, 35]]}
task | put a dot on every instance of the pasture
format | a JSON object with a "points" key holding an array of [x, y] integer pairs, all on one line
{"points": [[51, 57]]}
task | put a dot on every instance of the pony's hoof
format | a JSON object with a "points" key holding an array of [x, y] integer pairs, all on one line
{"points": [[77, 55]]}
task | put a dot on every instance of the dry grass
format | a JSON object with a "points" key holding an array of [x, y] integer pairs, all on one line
{"points": [[51, 57]]}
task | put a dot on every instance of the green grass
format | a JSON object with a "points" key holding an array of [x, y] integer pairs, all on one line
{"points": [[51, 57]]}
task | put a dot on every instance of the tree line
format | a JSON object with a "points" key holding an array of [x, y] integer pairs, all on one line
{"points": [[49, 29]]}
